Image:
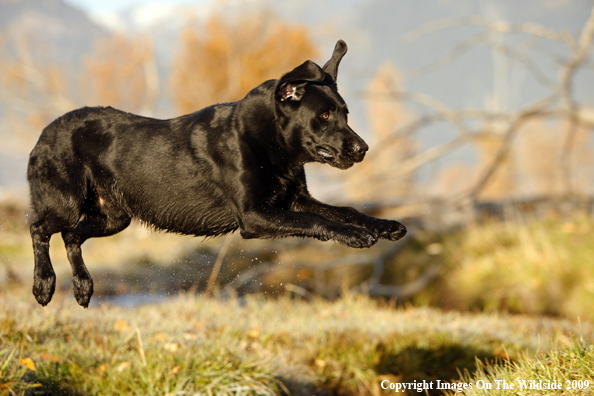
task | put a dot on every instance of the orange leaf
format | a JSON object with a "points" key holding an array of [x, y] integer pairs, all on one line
{"points": [[29, 363], [198, 325], [121, 325], [254, 333]]}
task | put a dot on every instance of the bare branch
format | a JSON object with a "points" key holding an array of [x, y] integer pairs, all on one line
{"points": [[474, 41], [299, 290], [504, 147], [218, 263], [409, 289], [441, 24], [567, 74], [577, 59], [435, 105], [249, 274], [559, 104], [449, 57], [520, 56], [414, 163], [405, 131], [494, 26]]}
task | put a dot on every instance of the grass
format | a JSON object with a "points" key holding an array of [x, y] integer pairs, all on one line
{"points": [[542, 267], [506, 306], [568, 370], [192, 345], [11, 372]]}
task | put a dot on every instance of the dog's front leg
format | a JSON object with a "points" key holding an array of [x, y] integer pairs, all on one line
{"points": [[270, 222], [386, 229]]}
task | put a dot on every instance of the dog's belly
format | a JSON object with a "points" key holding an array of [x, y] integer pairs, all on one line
{"points": [[198, 220], [181, 207]]}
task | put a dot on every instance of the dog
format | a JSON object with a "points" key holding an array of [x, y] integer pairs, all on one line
{"points": [[226, 167]]}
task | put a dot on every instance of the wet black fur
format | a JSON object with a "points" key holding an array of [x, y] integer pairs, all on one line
{"points": [[226, 167]]}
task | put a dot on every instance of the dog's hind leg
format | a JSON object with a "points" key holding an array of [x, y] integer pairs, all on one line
{"points": [[44, 281], [95, 224], [56, 200]]}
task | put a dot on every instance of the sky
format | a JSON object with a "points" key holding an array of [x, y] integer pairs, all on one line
{"points": [[110, 6]]}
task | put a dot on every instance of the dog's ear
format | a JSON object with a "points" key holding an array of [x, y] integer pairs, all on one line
{"points": [[292, 91], [331, 67], [292, 85]]}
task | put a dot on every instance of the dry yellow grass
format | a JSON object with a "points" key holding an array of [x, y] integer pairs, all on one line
{"points": [[194, 345]]}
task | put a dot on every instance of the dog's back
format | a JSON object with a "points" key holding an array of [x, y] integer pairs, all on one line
{"points": [[100, 159]]}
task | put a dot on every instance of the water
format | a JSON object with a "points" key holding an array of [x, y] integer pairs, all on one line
{"points": [[130, 300]]}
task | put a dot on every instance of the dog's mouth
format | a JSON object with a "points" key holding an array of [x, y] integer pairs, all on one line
{"points": [[325, 154], [328, 155]]}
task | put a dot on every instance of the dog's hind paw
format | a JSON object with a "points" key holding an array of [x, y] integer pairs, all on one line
{"points": [[43, 289], [83, 290]]}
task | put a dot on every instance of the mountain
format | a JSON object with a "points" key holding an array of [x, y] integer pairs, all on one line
{"points": [[64, 32], [55, 32]]}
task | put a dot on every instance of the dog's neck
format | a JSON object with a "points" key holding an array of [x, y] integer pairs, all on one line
{"points": [[265, 128]]}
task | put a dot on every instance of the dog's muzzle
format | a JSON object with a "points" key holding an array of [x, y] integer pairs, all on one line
{"points": [[345, 158]]}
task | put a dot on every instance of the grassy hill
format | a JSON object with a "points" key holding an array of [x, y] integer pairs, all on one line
{"points": [[510, 308], [193, 345]]}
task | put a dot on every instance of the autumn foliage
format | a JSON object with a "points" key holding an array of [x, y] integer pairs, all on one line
{"points": [[371, 179], [223, 61], [122, 73]]}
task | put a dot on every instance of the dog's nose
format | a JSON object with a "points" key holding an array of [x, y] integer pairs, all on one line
{"points": [[360, 148]]}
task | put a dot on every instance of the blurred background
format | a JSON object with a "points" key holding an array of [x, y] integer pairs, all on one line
{"points": [[479, 115]]}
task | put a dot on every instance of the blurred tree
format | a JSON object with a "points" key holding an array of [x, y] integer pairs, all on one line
{"points": [[33, 91], [122, 73], [539, 153], [223, 61], [542, 147], [372, 180], [453, 179], [503, 183]]}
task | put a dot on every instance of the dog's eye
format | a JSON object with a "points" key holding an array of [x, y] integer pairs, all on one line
{"points": [[325, 116]]}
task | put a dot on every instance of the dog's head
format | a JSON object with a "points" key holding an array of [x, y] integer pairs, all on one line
{"points": [[313, 116]]}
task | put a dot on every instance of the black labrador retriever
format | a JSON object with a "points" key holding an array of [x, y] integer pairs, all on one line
{"points": [[226, 167]]}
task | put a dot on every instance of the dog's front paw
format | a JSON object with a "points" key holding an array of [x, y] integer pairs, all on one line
{"points": [[356, 237], [389, 229]]}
